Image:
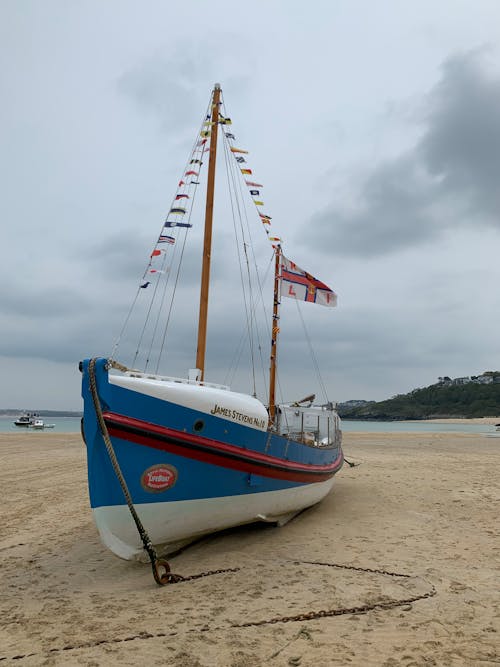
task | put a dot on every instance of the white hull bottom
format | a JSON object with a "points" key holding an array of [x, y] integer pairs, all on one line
{"points": [[171, 525]]}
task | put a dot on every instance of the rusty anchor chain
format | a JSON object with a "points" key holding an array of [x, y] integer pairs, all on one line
{"points": [[160, 566]]}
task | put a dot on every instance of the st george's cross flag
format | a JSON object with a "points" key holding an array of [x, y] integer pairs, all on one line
{"points": [[298, 284]]}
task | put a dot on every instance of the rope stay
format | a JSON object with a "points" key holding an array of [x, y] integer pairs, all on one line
{"points": [[150, 323], [161, 577], [311, 352], [161, 568], [158, 316]]}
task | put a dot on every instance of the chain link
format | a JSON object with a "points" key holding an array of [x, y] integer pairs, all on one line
{"points": [[353, 567], [168, 577], [160, 567], [207, 573], [362, 609]]}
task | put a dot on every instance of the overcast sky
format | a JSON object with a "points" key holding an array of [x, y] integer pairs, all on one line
{"points": [[375, 127]]}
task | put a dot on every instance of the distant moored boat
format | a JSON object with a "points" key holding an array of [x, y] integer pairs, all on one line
{"points": [[39, 424], [25, 419]]}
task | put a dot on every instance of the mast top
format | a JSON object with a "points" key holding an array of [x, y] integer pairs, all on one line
{"points": [[216, 86]]}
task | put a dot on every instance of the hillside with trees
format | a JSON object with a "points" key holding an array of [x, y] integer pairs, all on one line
{"points": [[476, 396]]}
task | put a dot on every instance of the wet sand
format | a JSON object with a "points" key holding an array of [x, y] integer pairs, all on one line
{"points": [[421, 505]]}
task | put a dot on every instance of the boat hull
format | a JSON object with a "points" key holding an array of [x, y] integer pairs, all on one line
{"points": [[172, 525], [193, 463]]}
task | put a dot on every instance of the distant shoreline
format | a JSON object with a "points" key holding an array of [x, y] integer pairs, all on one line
{"points": [[43, 413], [437, 420], [461, 420]]}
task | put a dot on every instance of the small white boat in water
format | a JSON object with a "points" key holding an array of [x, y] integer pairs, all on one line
{"points": [[39, 425]]}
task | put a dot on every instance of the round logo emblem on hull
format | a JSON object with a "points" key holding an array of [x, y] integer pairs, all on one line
{"points": [[159, 478]]}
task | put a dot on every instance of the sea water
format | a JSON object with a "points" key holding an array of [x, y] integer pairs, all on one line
{"points": [[72, 425], [415, 427], [62, 425]]}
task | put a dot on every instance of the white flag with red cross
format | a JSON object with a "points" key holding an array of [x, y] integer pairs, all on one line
{"points": [[298, 284]]}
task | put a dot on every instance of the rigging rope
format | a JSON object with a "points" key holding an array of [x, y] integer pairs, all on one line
{"points": [[191, 190], [157, 564], [311, 351], [236, 216]]}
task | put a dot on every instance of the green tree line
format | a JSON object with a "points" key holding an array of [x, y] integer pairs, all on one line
{"points": [[467, 400]]}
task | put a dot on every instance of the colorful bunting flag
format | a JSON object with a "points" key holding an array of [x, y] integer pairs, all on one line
{"points": [[145, 285], [229, 135], [254, 193], [258, 203], [191, 173], [166, 239], [246, 171], [178, 211], [254, 185], [195, 162], [182, 197], [155, 253], [174, 223], [237, 150], [240, 159]]}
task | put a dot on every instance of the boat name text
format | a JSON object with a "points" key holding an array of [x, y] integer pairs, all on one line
{"points": [[238, 416]]}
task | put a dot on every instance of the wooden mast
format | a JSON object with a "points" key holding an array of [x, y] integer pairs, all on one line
{"points": [[207, 242], [274, 337]]}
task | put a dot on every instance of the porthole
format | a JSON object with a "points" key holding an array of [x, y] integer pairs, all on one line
{"points": [[199, 425]]}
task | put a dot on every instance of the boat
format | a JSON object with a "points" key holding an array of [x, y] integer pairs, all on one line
{"points": [[171, 459], [39, 425], [25, 419]]}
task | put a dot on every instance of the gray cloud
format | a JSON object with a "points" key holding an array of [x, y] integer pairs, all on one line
{"points": [[449, 179], [153, 87], [95, 140], [461, 146], [170, 87]]}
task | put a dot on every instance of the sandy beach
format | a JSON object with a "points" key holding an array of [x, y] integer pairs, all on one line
{"points": [[413, 529]]}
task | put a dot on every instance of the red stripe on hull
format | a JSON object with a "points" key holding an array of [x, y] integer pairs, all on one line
{"points": [[215, 452]]}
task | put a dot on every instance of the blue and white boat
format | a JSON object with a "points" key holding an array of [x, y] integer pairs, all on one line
{"points": [[171, 459]]}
